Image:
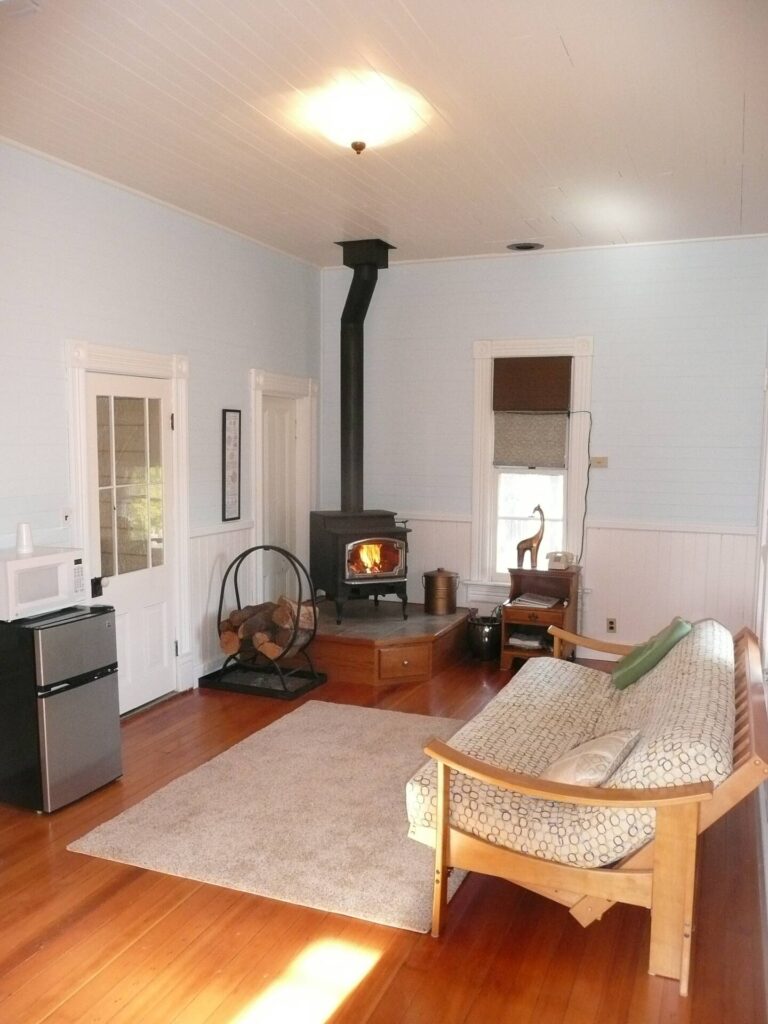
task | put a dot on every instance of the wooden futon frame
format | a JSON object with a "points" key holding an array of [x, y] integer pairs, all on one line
{"points": [[661, 875]]}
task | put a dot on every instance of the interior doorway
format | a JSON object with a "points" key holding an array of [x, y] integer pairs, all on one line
{"points": [[284, 447], [278, 442]]}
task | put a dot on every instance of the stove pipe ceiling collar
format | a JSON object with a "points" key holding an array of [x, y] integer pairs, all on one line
{"points": [[366, 258]]}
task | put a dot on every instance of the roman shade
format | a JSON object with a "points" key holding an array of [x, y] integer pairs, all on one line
{"points": [[531, 400]]}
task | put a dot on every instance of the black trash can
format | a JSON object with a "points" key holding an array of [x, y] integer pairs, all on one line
{"points": [[485, 637]]}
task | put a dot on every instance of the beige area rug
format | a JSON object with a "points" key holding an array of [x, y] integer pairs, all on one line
{"points": [[309, 810]]}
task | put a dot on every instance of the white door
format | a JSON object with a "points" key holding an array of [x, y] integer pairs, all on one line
{"points": [[130, 498], [278, 439]]}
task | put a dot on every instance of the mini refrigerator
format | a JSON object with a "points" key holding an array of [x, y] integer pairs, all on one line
{"points": [[59, 710]]}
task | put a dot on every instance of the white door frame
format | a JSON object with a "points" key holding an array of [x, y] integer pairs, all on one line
{"points": [[304, 391], [84, 357]]}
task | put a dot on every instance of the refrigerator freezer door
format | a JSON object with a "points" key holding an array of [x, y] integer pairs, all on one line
{"points": [[79, 733], [71, 648]]}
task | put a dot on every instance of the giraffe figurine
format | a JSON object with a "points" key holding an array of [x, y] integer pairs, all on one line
{"points": [[531, 543]]}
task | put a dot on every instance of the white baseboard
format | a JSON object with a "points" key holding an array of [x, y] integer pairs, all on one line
{"points": [[185, 672], [205, 667]]}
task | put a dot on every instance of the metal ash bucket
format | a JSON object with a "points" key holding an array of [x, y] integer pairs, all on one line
{"points": [[440, 588]]}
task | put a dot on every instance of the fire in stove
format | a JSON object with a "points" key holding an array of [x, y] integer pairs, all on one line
{"points": [[375, 557]]}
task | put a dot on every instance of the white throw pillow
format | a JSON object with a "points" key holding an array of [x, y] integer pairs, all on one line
{"points": [[592, 762]]}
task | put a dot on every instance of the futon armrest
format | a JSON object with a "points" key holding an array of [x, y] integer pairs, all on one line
{"points": [[578, 640], [532, 785]]}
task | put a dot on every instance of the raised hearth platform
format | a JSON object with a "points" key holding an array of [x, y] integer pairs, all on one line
{"points": [[376, 645]]}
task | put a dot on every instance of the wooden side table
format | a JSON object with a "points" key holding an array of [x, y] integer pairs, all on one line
{"points": [[522, 625]]}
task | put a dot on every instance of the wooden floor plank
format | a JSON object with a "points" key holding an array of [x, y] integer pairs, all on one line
{"points": [[464, 954], [137, 966], [249, 947], [68, 956], [82, 939]]}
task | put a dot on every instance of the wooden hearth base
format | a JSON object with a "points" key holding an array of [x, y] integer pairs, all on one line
{"points": [[376, 645]]}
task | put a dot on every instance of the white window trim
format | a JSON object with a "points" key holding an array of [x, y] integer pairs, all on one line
{"points": [[481, 587]]}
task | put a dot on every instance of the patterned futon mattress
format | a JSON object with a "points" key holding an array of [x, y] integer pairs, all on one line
{"points": [[684, 709]]}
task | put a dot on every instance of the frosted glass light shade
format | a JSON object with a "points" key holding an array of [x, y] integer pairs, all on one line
{"points": [[363, 106]]}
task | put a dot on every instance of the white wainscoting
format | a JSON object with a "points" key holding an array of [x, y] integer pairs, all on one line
{"points": [[211, 551], [639, 574], [642, 575], [437, 542]]}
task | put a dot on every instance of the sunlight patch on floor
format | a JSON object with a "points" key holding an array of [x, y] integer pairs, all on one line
{"points": [[315, 984]]}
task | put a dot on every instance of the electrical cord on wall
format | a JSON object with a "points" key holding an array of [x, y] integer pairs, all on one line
{"points": [[585, 412]]}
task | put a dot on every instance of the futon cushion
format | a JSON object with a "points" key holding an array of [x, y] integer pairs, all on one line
{"points": [[643, 658], [683, 709], [591, 763]]}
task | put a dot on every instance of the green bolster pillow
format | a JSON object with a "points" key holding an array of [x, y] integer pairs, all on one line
{"points": [[643, 658]]}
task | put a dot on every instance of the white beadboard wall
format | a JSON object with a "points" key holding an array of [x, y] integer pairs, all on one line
{"points": [[211, 552], [638, 574], [643, 576], [437, 543]]}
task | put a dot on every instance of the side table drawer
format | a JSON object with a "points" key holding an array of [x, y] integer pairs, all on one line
{"points": [[535, 616], [404, 662]]}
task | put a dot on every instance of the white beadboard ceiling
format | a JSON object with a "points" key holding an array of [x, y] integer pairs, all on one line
{"points": [[570, 122]]}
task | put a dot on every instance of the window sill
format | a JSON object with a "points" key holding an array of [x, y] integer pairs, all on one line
{"points": [[479, 592]]}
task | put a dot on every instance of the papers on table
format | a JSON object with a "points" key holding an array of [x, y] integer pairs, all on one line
{"points": [[535, 601], [529, 641]]}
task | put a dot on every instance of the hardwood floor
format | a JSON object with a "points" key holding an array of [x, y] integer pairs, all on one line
{"points": [[88, 940]]}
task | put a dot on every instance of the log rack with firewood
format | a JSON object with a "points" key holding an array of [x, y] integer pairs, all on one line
{"points": [[266, 643]]}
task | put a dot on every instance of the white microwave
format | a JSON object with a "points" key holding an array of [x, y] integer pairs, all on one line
{"points": [[46, 579]]}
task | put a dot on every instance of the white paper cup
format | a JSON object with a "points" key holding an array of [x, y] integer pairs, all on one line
{"points": [[24, 544]]}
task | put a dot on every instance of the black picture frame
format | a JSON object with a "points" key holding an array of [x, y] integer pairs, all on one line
{"points": [[230, 465]]}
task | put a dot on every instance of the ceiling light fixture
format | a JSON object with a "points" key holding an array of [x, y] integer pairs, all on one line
{"points": [[525, 246], [363, 109]]}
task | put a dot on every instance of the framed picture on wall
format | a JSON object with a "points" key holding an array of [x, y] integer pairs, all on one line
{"points": [[230, 464]]}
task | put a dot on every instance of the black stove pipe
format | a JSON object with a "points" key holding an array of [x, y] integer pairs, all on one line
{"points": [[366, 257]]}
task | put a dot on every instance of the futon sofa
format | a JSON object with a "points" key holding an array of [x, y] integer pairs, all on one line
{"points": [[691, 744]]}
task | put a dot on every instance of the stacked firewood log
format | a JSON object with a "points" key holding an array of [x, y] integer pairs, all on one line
{"points": [[267, 628]]}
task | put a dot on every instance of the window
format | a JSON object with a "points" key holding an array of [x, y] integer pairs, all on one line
{"points": [[519, 491], [130, 483], [498, 524]]}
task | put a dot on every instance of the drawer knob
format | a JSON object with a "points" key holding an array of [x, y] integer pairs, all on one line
{"points": [[533, 617], [405, 661]]}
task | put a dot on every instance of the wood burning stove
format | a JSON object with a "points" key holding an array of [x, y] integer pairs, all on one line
{"points": [[356, 552], [358, 555]]}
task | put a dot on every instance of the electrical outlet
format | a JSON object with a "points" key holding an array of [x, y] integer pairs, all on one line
{"points": [[66, 516], [610, 625]]}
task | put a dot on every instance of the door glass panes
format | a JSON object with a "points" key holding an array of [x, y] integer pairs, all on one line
{"points": [[106, 531], [155, 482], [519, 492], [130, 483], [104, 435]]}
